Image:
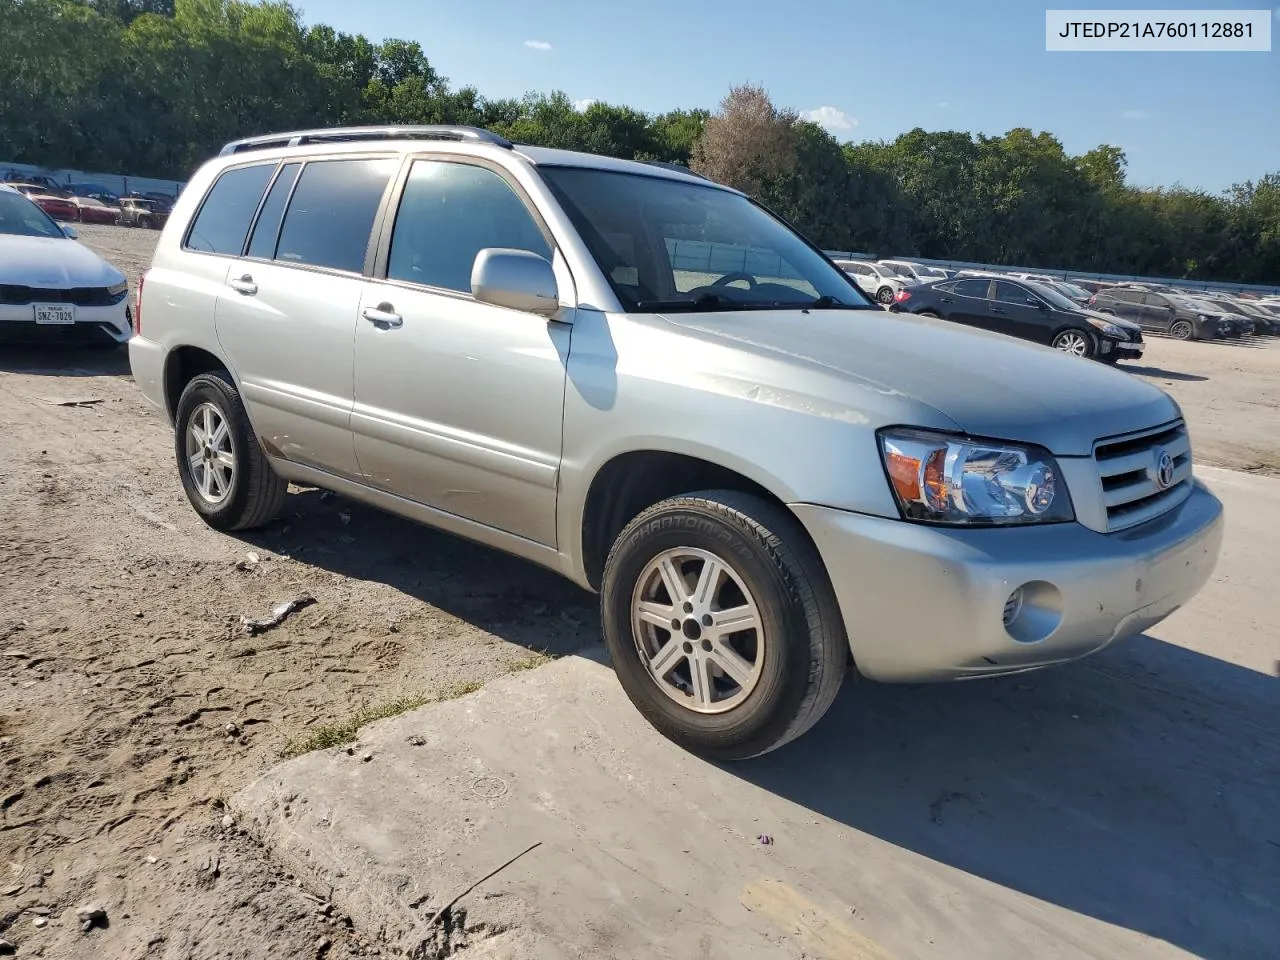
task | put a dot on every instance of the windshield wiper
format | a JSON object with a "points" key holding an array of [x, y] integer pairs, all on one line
{"points": [[828, 302], [700, 302]]}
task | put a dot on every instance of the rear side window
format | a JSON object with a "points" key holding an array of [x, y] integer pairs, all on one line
{"points": [[267, 230], [223, 221], [449, 213], [972, 288], [332, 211]]}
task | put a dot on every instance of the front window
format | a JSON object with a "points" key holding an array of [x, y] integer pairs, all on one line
{"points": [[21, 218], [1055, 299], [901, 270], [668, 245]]}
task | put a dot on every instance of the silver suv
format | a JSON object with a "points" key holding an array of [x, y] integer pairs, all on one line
{"points": [[649, 383]]}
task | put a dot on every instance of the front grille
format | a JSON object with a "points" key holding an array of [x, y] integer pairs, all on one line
{"points": [[80, 296], [1129, 468]]}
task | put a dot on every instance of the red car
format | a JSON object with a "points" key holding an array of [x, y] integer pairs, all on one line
{"points": [[90, 210], [58, 207]]}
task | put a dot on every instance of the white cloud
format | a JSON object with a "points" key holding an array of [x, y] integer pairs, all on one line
{"points": [[540, 45], [1134, 114], [942, 104], [831, 119], [581, 105]]}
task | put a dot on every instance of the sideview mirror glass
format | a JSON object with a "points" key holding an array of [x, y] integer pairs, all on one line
{"points": [[70, 231], [516, 279]]}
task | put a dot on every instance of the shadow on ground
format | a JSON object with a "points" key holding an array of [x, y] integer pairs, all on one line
{"points": [[1138, 787], [507, 597], [64, 360], [1160, 374]]}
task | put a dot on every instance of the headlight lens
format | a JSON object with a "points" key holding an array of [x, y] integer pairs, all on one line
{"points": [[1110, 329], [118, 291], [937, 478]]}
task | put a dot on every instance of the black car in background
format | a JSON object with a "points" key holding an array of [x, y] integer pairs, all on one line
{"points": [[1181, 316], [1027, 310], [1263, 322]]}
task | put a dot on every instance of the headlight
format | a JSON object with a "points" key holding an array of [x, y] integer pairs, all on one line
{"points": [[118, 291], [1110, 329], [937, 478]]}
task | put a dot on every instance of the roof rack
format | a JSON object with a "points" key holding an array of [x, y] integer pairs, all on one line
{"points": [[678, 167], [299, 138]]}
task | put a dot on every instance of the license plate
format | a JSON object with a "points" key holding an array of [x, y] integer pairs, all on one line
{"points": [[55, 313], [1134, 347]]}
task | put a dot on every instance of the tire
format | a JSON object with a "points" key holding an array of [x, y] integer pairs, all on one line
{"points": [[1182, 330], [1078, 343], [795, 657], [245, 494], [884, 295]]}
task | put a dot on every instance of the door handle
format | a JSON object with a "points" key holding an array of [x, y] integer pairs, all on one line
{"points": [[944, 299], [384, 315], [243, 285], [997, 310]]}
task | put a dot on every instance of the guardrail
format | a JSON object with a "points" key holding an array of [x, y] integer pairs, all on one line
{"points": [[1060, 274], [117, 183]]}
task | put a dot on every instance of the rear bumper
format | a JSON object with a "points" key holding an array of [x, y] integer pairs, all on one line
{"points": [[925, 603], [92, 324], [146, 362]]}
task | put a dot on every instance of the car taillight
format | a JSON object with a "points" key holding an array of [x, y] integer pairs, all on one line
{"points": [[901, 296], [137, 310]]}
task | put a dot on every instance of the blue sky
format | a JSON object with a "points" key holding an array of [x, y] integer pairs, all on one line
{"points": [[868, 70]]}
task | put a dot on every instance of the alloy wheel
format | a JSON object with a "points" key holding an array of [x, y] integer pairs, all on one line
{"points": [[209, 453], [1072, 342], [698, 630]]}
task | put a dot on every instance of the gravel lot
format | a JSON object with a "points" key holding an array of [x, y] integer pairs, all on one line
{"points": [[133, 702]]}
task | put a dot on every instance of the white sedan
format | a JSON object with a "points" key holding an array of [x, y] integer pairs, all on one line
{"points": [[53, 288], [875, 279]]}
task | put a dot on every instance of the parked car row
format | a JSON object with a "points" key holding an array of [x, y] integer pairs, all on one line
{"points": [[97, 205]]}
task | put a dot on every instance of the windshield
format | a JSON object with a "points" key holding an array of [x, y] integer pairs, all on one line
{"points": [[668, 245], [901, 269], [932, 272], [1073, 290], [1052, 296], [20, 217]]}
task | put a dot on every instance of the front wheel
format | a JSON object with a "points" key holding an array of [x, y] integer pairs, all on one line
{"points": [[1075, 342], [225, 473], [722, 625], [885, 295], [1182, 330]]}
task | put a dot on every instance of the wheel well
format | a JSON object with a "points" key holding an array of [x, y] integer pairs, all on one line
{"points": [[184, 364], [631, 482]]}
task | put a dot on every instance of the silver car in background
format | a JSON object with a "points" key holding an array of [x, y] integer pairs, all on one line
{"points": [[646, 382]]}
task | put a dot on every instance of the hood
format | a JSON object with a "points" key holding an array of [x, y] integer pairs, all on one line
{"points": [[53, 262], [988, 385], [1110, 318]]}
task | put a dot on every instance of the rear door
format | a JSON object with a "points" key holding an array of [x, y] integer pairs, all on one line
{"points": [[287, 316], [969, 304]]}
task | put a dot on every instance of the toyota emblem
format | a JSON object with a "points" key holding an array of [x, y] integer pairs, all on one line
{"points": [[1164, 470]]}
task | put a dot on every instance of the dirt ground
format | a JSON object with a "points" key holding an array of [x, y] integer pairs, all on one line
{"points": [[132, 702]]}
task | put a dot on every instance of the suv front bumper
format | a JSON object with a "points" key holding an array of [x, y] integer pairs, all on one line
{"points": [[924, 603]]}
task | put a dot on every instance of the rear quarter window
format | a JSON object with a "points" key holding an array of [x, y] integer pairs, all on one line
{"points": [[223, 221]]}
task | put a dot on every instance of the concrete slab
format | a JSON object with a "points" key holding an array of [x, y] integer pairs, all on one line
{"points": [[1123, 806]]}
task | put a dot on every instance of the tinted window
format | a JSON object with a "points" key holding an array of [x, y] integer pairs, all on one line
{"points": [[1011, 293], [972, 288], [20, 217], [223, 221], [449, 213], [267, 229], [1152, 299], [331, 214]]}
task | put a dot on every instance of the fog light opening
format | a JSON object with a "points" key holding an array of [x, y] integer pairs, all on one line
{"points": [[1033, 611]]}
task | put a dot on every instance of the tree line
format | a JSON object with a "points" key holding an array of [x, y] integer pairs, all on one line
{"points": [[154, 87]]}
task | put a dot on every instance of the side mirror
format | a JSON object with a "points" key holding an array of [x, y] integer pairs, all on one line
{"points": [[515, 279], [69, 231]]}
